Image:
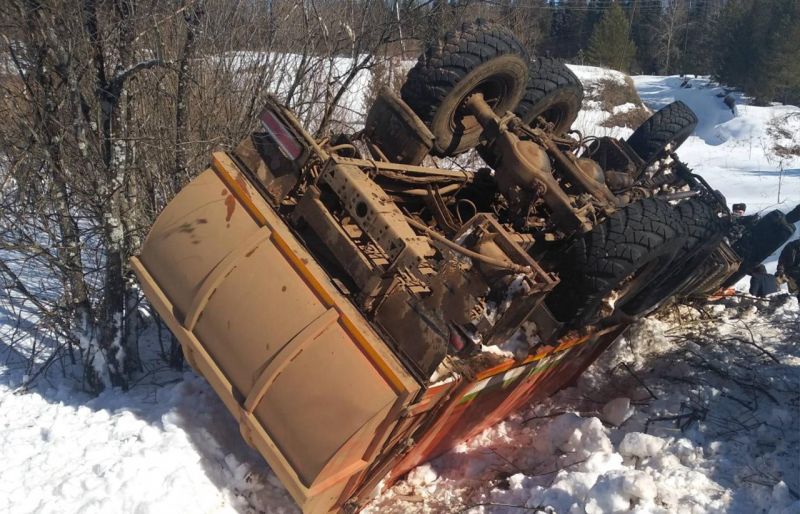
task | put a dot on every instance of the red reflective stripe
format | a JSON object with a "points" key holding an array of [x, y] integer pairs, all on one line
{"points": [[281, 135]]}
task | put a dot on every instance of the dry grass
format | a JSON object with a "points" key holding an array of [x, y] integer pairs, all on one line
{"points": [[786, 143], [631, 119], [611, 94], [786, 152]]}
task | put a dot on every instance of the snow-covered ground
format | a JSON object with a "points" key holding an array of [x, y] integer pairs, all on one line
{"points": [[735, 153], [166, 446], [707, 403]]}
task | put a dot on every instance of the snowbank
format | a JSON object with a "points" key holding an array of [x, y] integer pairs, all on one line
{"points": [[170, 448]]}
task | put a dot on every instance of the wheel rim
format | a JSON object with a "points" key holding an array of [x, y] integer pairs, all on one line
{"points": [[558, 107], [555, 115], [495, 91], [500, 79]]}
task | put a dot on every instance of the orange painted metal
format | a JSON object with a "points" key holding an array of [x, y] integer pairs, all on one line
{"points": [[314, 388]]}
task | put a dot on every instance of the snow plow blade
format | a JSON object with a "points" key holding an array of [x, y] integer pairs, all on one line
{"points": [[311, 384]]}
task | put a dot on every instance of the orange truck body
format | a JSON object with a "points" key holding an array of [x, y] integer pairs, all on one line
{"points": [[312, 383]]}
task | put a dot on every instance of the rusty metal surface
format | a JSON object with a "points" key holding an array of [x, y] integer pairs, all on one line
{"points": [[376, 214], [399, 134], [522, 165]]}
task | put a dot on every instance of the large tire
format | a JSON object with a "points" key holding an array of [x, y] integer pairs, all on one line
{"points": [[704, 227], [704, 231], [625, 252], [480, 57], [663, 132], [553, 93]]}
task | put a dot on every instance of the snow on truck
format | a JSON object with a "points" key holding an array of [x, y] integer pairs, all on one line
{"points": [[360, 312]]}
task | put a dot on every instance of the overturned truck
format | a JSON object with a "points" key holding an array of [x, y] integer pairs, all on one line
{"points": [[360, 310]]}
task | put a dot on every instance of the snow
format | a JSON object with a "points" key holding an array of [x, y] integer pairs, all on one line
{"points": [[637, 444], [735, 153], [617, 411], [168, 449], [696, 411]]}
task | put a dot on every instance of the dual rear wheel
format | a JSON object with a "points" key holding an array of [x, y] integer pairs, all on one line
{"points": [[612, 269], [619, 267]]}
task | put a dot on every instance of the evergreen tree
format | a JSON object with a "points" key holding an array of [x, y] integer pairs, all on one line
{"points": [[596, 10], [644, 23], [736, 52], [757, 48], [700, 37], [610, 44], [780, 76]]}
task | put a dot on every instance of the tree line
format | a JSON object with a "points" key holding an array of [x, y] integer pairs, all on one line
{"points": [[747, 44]]}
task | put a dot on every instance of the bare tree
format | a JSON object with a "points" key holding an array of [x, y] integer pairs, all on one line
{"points": [[672, 25], [112, 106]]}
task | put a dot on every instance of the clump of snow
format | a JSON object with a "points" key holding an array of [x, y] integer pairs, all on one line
{"points": [[590, 76], [617, 411], [637, 444], [626, 107], [615, 491]]}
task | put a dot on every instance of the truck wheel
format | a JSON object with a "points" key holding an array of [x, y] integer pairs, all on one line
{"points": [[663, 132], [704, 231], [607, 268], [481, 57], [553, 93]]}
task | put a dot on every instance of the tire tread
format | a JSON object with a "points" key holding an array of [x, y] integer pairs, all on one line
{"points": [[597, 261], [671, 124]]}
